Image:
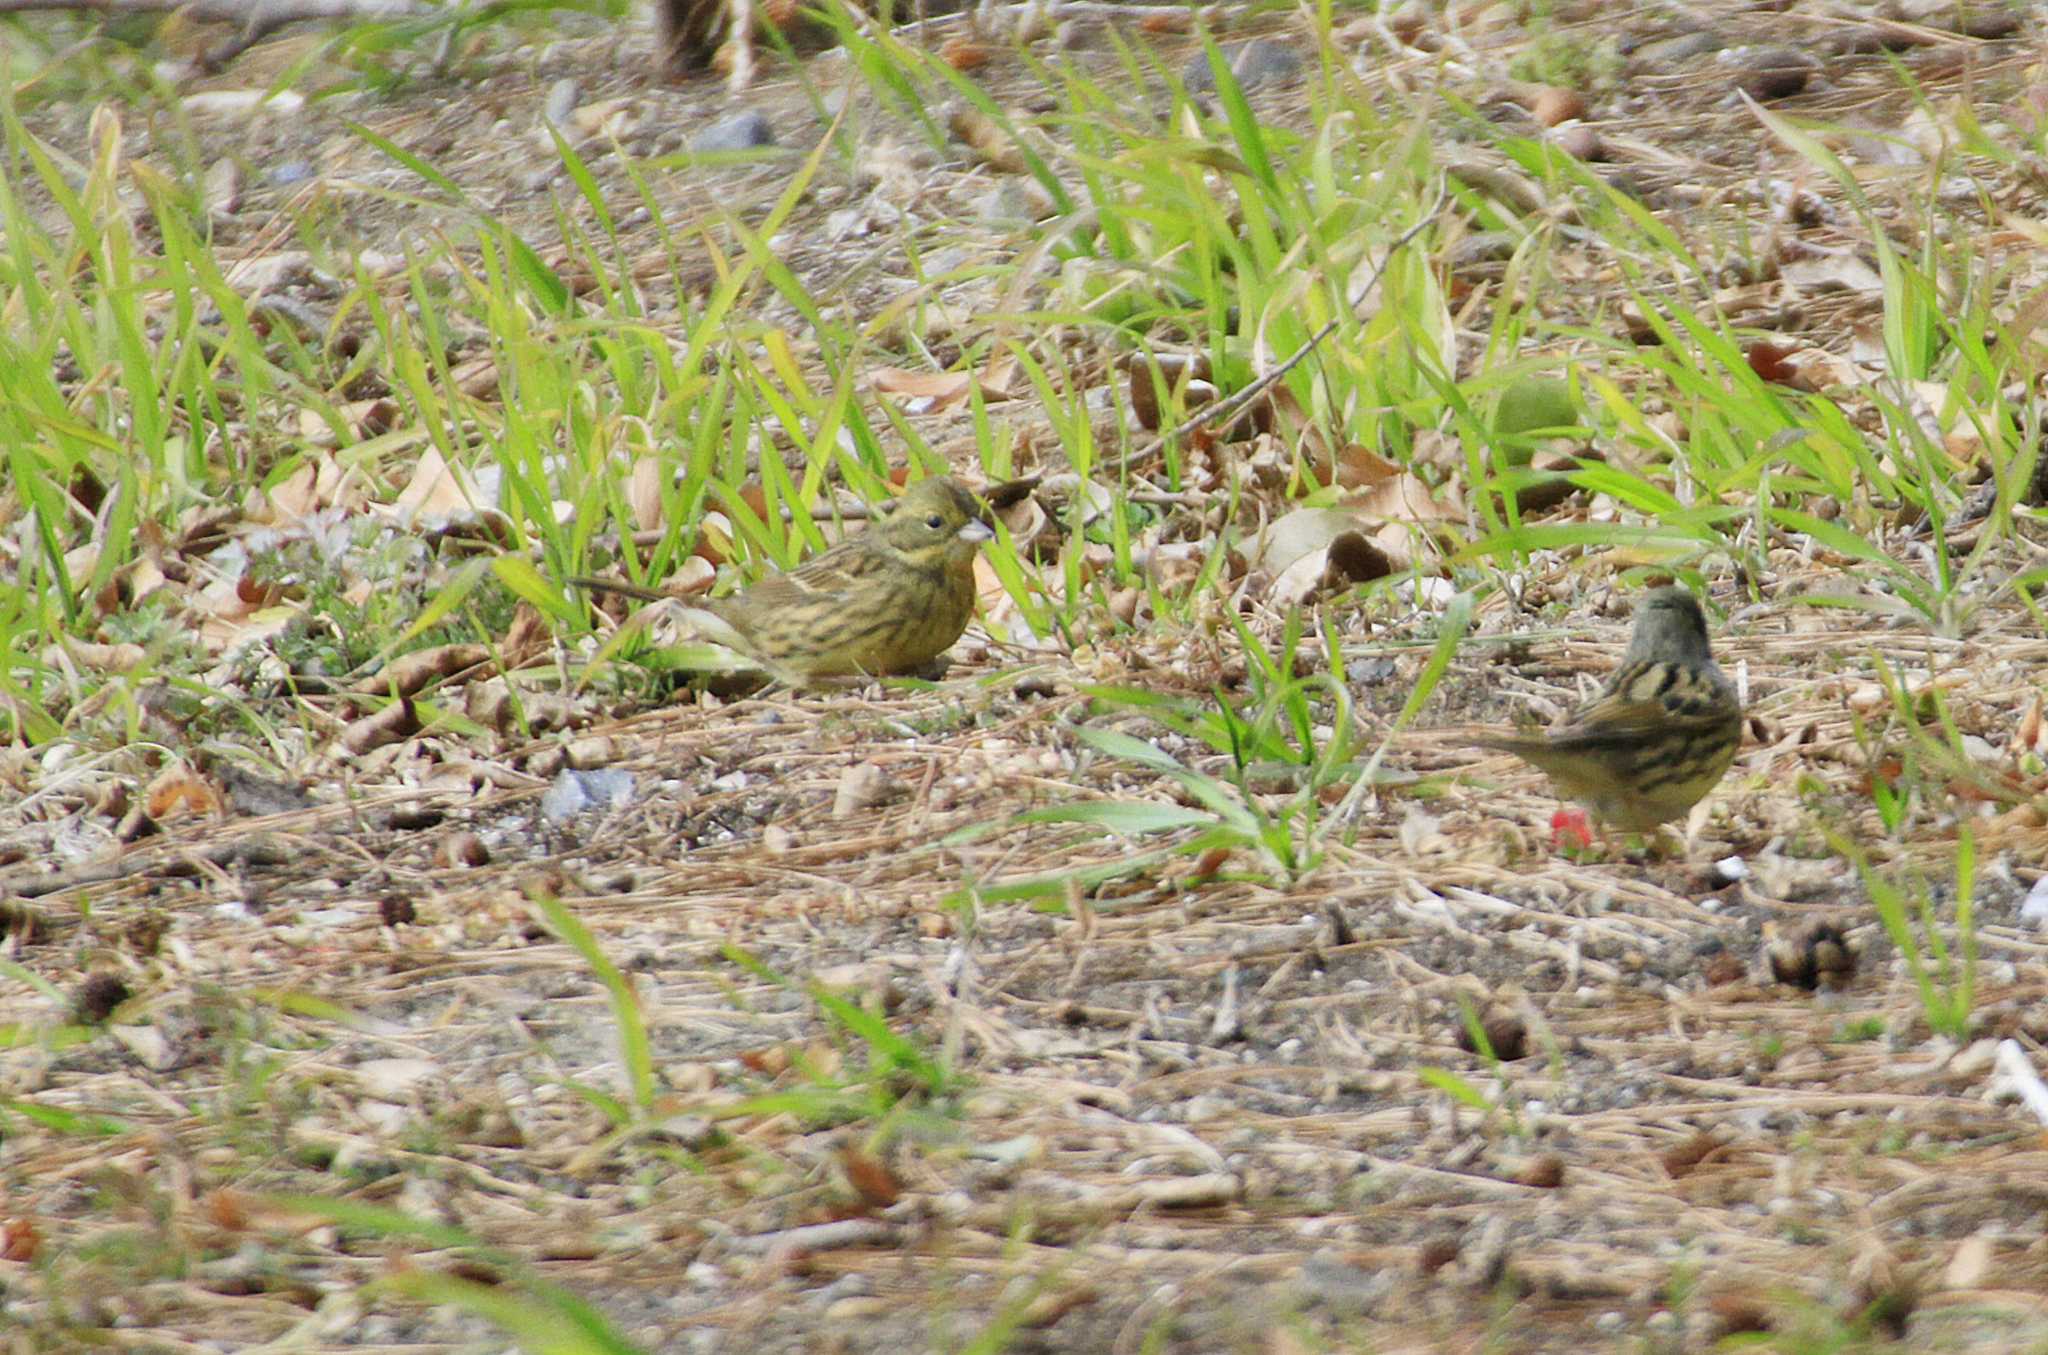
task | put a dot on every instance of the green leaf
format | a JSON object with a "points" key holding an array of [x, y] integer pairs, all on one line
{"points": [[410, 161], [546, 285], [1456, 1087], [1130, 817], [79, 1123], [1085, 879], [528, 584], [628, 1021], [1118, 744], [557, 1323]]}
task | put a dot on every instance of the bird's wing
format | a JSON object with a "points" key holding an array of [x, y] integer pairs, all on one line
{"points": [[827, 578], [1618, 712], [778, 592], [1613, 720], [1610, 717]]}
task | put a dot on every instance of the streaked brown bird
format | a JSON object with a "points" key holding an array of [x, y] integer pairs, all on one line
{"points": [[888, 599], [1660, 734]]}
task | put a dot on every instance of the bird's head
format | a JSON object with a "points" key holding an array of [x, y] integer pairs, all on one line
{"points": [[1670, 625], [935, 520]]}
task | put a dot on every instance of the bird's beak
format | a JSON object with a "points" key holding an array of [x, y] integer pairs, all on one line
{"points": [[977, 531]]}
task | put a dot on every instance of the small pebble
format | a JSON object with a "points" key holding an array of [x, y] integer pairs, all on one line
{"points": [[576, 791], [563, 96], [1257, 62], [1767, 73], [741, 132], [2035, 909]]}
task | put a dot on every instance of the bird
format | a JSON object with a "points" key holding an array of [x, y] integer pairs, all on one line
{"points": [[888, 599], [1659, 736]]}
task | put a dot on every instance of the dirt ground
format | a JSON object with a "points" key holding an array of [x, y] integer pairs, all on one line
{"points": [[1200, 1108]]}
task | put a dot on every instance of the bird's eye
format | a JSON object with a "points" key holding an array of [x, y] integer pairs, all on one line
{"points": [[934, 522]]}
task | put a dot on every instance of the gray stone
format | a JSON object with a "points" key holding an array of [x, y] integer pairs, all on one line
{"points": [[1257, 62], [741, 132], [563, 96]]}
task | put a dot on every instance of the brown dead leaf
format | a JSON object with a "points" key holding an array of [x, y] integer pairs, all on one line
{"points": [[436, 489], [82, 560], [1000, 374], [117, 658], [409, 674], [477, 377], [1299, 533], [986, 138], [178, 790], [714, 539], [255, 594], [143, 577], [996, 604], [2033, 730], [1209, 863], [1184, 377], [227, 1208], [1735, 1314], [201, 530], [1768, 361], [1314, 551], [1356, 466], [228, 619], [1835, 271], [528, 635], [1354, 558], [297, 495], [398, 721], [1552, 484], [2023, 828], [870, 1178], [643, 492], [372, 418], [694, 575], [963, 53], [1402, 497], [772, 1061], [1821, 370], [1010, 494], [1681, 1158], [20, 1240], [1549, 104], [932, 392]]}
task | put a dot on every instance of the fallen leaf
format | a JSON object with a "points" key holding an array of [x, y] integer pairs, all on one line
{"points": [[643, 492], [436, 490], [409, 674], [870, 1178], [932, 392], [986, 137], [180, 790], [1834, 272], [964, 53], [397, 721]]}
